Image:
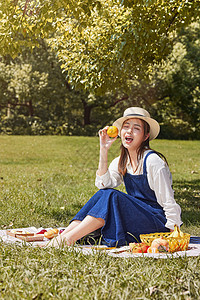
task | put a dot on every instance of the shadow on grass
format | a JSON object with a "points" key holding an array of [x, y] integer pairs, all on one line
{"points": [[62, 215], [187, 194]]}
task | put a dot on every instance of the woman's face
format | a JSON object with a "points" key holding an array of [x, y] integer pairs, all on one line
{"points": [[132, 134]]}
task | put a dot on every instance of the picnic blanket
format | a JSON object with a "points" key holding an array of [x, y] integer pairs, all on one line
{"points": [[193, 249]]}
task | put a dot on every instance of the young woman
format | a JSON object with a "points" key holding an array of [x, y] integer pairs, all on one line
{"points": [[149, 204]]}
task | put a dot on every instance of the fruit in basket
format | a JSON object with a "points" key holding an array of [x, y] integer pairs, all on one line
{"points": [[161, 244], [178, 241], [138, 247], [153, 250], [112, 131]]}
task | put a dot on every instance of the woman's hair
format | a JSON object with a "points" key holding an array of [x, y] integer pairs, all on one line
{"points": [[143, 147]]}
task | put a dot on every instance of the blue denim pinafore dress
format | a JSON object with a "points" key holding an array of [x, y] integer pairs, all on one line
{"points": [[126, 215]]}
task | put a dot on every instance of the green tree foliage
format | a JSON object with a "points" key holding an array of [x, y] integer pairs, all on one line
{"points": [[113, 54], [172, 94], [102, 44], [118, 42], [33, 90], [35, 98], [177, 82]]}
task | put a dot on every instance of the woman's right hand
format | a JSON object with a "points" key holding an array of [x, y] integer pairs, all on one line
{"points": [[105, 140], [105, 143]]}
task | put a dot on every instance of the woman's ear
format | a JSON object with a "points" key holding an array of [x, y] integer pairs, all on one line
{"points": [[146, 136]]}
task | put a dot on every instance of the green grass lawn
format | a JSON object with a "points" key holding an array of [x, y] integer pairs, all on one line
{"points": [[44, 181]]}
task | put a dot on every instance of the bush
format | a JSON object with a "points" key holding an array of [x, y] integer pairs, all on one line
{"points": [[16, 125], [178, 129], [171, 128], [23, 125]]}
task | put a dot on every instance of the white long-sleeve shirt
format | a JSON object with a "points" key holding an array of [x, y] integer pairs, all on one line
{"points": [[159, 179]]}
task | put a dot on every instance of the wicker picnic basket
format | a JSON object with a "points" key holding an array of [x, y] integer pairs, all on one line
{"points": [[175, 243]]}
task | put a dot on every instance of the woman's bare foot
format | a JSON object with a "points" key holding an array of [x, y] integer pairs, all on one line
{"points": [[80, 229]]}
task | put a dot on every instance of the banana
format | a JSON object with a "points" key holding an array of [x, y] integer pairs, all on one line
{"points": [[177, 233], [181, 233]]}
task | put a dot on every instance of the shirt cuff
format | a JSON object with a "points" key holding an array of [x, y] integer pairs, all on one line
{"points": [[170, 225], [102, 181]]}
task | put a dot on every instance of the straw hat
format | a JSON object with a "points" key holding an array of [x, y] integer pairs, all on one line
{"points": [[139, 113]]}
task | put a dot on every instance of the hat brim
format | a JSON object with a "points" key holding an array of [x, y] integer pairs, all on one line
{"points": [[154, 125]]}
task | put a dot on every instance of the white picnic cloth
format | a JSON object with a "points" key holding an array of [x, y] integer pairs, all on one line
{"points": [[193, 249], [10, 239]]}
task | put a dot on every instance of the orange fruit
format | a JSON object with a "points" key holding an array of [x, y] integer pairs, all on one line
{"points": [[112, 131], [153, 250]]}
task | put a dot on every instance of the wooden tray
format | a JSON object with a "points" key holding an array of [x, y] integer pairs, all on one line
{"points": [[26, 236], [18, 232], [34, 238]]}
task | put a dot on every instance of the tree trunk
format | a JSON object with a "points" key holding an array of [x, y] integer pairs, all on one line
{"points": [[87, 112], [30, 107]]}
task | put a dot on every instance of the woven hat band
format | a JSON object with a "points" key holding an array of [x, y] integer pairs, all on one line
{"points": [[134, 115]]}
